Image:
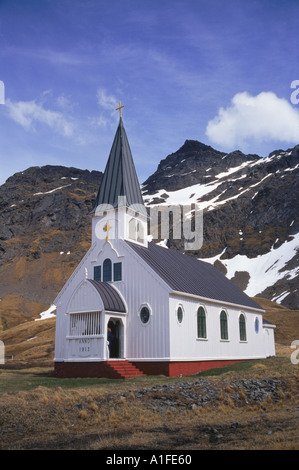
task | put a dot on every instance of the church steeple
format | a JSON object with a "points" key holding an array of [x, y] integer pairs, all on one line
{"points": [[119, 205], [120, 178]]}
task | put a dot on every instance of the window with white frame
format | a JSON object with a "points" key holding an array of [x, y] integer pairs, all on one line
{"points": [[201, 323], [107, 270], [85, 324], [104, 273], [136, 231], [242, 327], [180, 314], [145, 314], [223, 325]]}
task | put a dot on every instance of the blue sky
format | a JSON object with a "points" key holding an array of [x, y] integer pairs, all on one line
{"points": [[217, 71]]}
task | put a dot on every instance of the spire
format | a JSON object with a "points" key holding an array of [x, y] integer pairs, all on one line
{"points": [[120, 178]]}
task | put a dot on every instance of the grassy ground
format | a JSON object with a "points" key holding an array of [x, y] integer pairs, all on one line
{"points": [[41, 412]]}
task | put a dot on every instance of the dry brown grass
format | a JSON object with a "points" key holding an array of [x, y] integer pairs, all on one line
{"points": [[14, 311], [98, 418], [286, 321], [93, 418], [31, 340]]}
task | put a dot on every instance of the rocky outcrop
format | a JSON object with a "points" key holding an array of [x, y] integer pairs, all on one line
{"points": [[193, 163], [45, 230]]}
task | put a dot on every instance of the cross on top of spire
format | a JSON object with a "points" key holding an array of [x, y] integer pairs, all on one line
{"points": [[119, 178], [119, 109]]}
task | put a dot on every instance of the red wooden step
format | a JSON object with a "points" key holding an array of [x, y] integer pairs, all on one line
{"points": [[125, 369]]}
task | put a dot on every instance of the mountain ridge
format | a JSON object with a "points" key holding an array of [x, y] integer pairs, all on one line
{"points": [[196, 155], [249, 205]]}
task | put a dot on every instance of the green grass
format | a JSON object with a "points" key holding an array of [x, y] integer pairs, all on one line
{"points": [[4, 323], [272, 364], [240, 367], [29, 379]]}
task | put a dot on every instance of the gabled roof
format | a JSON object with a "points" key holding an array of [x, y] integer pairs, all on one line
{"points": [[111, 299], [184, 273], [268, 323], [120, 178]]}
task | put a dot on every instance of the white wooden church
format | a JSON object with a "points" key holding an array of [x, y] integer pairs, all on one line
{"points": [[132, 307]]}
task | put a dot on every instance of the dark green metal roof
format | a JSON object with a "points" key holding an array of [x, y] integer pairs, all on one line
{"points": [[120, 178], [185, 273]]}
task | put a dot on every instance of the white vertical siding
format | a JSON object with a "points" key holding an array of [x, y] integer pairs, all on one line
{"points": [[60, 332], [141, 287], [268, 332], [186, 345], [85, 299]]}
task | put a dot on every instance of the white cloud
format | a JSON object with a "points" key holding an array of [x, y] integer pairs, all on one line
{"points": [[260, 118], [100, 121], [64, 103], [26, 113], [106, 101], [55, 57]]}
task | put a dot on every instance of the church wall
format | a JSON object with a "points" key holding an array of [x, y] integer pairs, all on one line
{"points": [[63, 306], [185, 343], [142, 287], [61, 324], [269, 340]]}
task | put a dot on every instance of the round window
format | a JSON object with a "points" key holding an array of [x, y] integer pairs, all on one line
{"points": [[180, 314], [144, 314]]}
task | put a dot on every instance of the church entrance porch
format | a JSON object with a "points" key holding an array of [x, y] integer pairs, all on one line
{"points": [[115, 338]]}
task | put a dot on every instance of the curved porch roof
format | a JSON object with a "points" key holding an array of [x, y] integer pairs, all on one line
{"points": [[110, 296]]}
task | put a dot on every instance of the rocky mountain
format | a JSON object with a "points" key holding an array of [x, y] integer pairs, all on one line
{"points": [[250, 206], [250, 223], [44, 233]]}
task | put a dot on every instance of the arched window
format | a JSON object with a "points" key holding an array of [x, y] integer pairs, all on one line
{"points": [[256, 325], [223, 325], [132, 229], [242, 327], [140, 233], [136, 230], [201, 323], [107, 270]]}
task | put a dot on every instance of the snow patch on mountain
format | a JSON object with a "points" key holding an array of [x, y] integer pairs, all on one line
{"points": [[49, 313], [192, 194], [52, 190], [264, 270]]}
